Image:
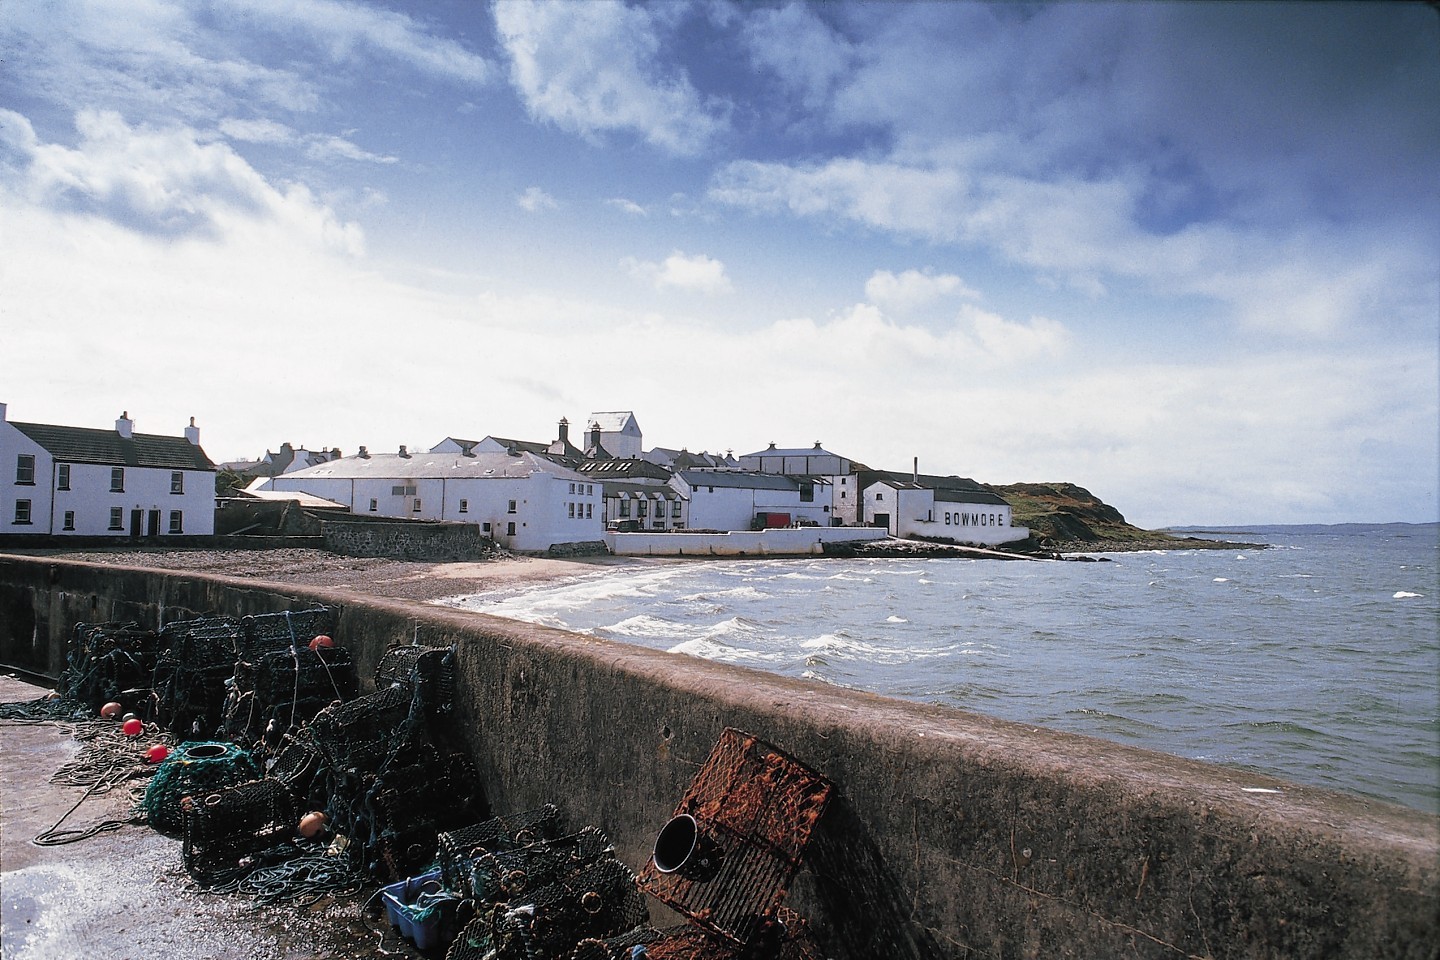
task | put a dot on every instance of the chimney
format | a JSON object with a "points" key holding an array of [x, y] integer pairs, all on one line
{"points": [[564, 432], [125, 426], [2, 413], [817, 444], [403, 452], [595, 436], [192, 433], [772, 445], [364, 454], [916, 475]]}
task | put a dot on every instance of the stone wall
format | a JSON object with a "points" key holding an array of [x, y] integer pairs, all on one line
{"points": [[776, 542], [406, 540], [950, 835]]}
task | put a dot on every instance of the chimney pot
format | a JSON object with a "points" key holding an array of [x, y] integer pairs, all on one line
{"points": [[365, 454], [403, 451]]}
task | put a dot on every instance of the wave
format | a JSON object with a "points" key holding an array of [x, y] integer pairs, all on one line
{"points": [[1406, 595]]}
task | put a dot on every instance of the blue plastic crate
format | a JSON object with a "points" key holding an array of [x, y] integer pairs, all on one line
{"points": [[421, 909]]}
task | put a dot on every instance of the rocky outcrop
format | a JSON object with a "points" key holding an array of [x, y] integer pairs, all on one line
{"points": [[1065, 517]]}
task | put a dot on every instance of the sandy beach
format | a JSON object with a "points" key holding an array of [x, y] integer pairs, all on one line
{"points": [[379, 577]]}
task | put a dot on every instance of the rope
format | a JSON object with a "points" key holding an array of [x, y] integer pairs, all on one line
{"points": [[304, 880]]}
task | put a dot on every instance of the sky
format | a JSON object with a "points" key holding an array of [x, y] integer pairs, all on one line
{"points": [[1185, 255]]}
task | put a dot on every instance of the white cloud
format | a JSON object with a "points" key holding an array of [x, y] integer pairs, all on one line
{"points": [[697, 273], [327, 148], [1016, 342], [257, 131], [913, 289], [596, 67], [165, 182], [627, 206], [535, 199], [797, 46]]}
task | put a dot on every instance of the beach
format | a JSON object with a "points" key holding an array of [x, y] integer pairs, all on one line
{"points": [[397, 579]]}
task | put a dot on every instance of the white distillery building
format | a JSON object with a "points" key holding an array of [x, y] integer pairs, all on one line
{"points": [[524, 501], [619, 432], [908, 509], [746, 501], [85, 482]]}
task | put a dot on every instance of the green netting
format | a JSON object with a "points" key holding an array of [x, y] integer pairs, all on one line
{"points": [[195, 770]]}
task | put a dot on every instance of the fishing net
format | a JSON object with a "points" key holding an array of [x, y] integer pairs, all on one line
{"points": [[295, 763], [506, 875], [458, 850], [237, 827], [595, 901], [110, 661], [283, 689], [195, 770], [197, 657]]}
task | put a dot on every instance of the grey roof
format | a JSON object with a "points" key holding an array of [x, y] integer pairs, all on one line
{"points": [[629, 467], [971, 496], [813, 451], [434, 466], [91, 445], [530, 446], [639, 491], [613, 421], [741, 481]]}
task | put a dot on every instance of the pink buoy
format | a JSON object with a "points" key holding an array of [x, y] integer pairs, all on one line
{"points": [[157, 753], [111, 710], [132, 727], [312, 824]]}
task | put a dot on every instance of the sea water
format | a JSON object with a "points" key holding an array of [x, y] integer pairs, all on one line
{"points": [[1315, 660]]}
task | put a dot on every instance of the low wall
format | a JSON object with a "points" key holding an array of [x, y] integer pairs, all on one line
{"points": [[950, 835], [778, 542], [406, 540]]}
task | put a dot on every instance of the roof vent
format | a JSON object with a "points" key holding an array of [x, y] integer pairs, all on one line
{"points": [[403, 452], [772, 445], [364, 454], [817, 444]]}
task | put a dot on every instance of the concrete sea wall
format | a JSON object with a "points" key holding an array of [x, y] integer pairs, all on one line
{"points": [[777, 542], [951, 834]]}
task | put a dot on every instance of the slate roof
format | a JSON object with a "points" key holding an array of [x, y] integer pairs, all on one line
{"points": [[741, 481], [614, 421], [434, 466], [971, 496], [92, 445]]}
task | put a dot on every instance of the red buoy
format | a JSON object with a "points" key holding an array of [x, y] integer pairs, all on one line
{"points": [[132, 727], [321, 641], [111, 710], [157, 753]]}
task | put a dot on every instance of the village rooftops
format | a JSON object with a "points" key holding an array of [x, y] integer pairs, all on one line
{"points": [[436, 466], [91, 445]]}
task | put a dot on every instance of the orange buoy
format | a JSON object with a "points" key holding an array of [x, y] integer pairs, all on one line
{"points": [[312, 824], [111, 710], [321, 641]]}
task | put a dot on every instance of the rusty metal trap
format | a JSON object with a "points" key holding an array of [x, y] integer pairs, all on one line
{"points": [[236, 828], [110, 661], [459, 849], [726, 858]]}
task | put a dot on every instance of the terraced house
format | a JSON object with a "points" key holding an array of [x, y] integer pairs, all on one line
{"points": [[87, 482]]}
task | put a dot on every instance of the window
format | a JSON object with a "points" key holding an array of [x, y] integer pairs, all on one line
{"points": [[572, 508], [485, 527], [22, 511], [177, 482], [511, 509], [807, 493], [624, 508], [842, 494], [69, 520], [117, 479], [510, 529], [572, 488], [644, 508], [416, 508], [879, 496], [589, 515], [464, 506], [25, 469], [408, 490], [374, 505], [176, 521], [589, 490], [117, 518], [62, 476], [675, 509]]}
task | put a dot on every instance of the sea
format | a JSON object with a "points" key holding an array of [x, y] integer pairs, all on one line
{"points": [[1315, 659]]}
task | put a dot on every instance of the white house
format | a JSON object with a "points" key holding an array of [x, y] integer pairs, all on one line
{"points": [[525, 501], [745, 501], [79, 481], [906, 508], [619, 432]]}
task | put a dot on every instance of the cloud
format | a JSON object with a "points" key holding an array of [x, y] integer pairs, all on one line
{"points": [[795, 45], [596, 67], [913, 289], [533, 200], [319, 147], [165, 182], [627, 206], [698, 273]]}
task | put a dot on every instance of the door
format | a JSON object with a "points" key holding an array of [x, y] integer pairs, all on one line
{"points": [[152, 525], [882, 520], [137, 517]]}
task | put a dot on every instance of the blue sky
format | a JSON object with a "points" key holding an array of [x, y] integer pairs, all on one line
{"points": [[1185, 255]]}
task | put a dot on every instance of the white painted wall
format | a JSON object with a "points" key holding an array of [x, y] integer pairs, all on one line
{"points": [[792, 541]]}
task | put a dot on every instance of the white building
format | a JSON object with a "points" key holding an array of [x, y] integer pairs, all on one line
{"points": [[643, 506], [524, 501], [79, 481], [721, 500], [619, 432], [908, 509]]}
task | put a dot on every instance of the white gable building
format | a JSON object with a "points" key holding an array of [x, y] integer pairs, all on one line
{"points": [[78, 481], [907, 509], [524, 501], [619, 432]]}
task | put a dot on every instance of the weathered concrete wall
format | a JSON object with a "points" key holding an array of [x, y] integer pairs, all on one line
{"points": [[780, 542], [952, 835], [406, 540]]}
